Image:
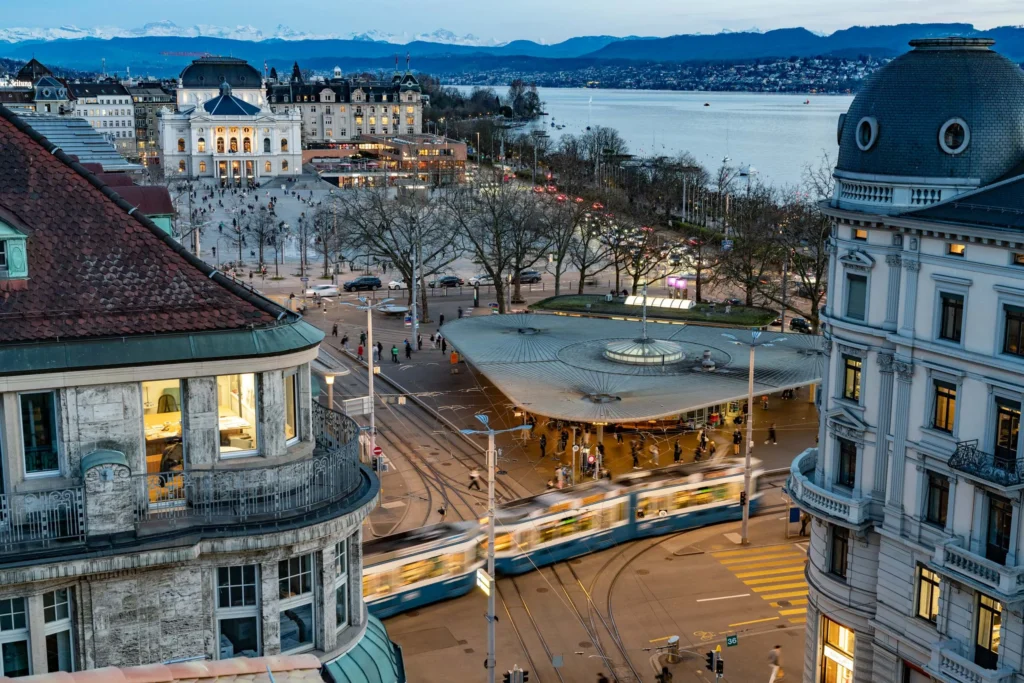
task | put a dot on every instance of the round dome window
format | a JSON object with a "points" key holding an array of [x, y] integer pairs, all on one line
{"points": [[867, 133], [954, 136]]}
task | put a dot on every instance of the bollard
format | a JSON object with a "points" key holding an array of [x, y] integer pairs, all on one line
{"points": [[673, 649]]}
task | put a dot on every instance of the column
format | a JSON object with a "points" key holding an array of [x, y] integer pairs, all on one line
{"points": [[1011, 554], [892, 301], [894, 500], [271, 414], [826, 383], [833, 254], [200, 423], [910, 298], [885, 361]]}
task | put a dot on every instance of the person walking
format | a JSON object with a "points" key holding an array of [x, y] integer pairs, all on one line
{"points": [[474, 479], [600, 453], [440, 321], [771, 435], [618, 434], [344, 343], [334, 330], [543, 442], [677, 452], [564, 440], [359, 352], [394, 353], [444, 345], [804, 521], [697, 454], [586, 436], [764, 402], [703, 439], [460, 312], [634, 449], [775, 662], [408, 350], [601, 678], [419, 342], [362, 338], [737, 439], [380, 351], [654, 453]]}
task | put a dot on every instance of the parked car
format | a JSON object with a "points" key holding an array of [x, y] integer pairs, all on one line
{"points": [[397, 284], [733, 302], [529, 276], [482, 279], [799, 325], [323, 290], [446, 281], [362, 282]]}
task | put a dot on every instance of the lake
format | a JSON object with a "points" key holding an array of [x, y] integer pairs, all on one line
{"points": [[777, 135]]}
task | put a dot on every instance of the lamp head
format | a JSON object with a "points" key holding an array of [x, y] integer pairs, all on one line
{"points": [[484, 420]]}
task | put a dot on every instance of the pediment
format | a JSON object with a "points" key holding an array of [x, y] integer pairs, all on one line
{"points": [[858, 260]]}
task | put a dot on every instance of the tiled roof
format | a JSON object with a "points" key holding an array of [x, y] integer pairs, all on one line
{"points": [[229, 105], [94, 269], [285, 668], [76, 137], [998, 206]]}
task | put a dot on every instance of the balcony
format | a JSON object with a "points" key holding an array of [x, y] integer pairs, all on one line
{"points": [[987, 467], [814, 499], [49, 519], [983, 573], [947, 664]]}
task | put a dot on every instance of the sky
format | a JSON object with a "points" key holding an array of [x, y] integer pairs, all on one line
{"points": [[540, 20]]}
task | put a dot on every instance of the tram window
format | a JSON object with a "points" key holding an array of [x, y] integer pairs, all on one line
{"points": [[376, 584], [481, 550], [525, 539], [455, 563], [421, 570], [502, 542]]}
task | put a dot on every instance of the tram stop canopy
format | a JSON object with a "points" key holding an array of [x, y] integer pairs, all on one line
{"points": [[601, 370]]}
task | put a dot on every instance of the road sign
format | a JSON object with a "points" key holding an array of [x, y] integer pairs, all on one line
{"points": [[304, 279], [726, 245], [483, 581], [408, 321], [732, 640], [377, 450]]}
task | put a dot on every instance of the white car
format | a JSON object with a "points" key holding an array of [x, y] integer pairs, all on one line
{"points": [[397, 284], [482, 279], [323, 290]]}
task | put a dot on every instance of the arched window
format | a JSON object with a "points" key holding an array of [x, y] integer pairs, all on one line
{"points": [[284, 145], [201, 145], [284, 164], [181, 166], [266, 146], [234, 144], [181, 144], [220, 145], [266, 166], [202, 167], [246, 145]]}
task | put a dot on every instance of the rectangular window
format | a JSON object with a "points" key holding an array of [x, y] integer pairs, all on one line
{"points": [[989, 627], [295, 589], [928, 594], [238, 612], [14, 657], [161, 418], [291, 403], [851, 378], [237, 413], [859, 234], [341, 585], [951, 322], [60, 655], [837, 647], [997, 536], [39, 433], [856, 296], [938, 499], [1013, 341], [839, 551], [945, 406], [1007, 432], [847, 472], [1018, 259], [3, 257], [956, 249]]}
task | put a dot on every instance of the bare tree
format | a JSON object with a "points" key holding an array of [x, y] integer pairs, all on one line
{"points": [[561, 221], [323, 230], [261, 227], [700, 256], [754, 221], [589, 251]]}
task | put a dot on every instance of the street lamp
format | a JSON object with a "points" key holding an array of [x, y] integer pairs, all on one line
{"points": [[330, 390], [490, 530], [754, 336], [368, 306]]}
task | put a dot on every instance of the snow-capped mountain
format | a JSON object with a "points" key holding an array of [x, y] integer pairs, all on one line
{"points": [[166, 28]]}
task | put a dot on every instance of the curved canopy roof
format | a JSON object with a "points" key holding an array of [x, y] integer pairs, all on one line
{"points": [[555, 366]]}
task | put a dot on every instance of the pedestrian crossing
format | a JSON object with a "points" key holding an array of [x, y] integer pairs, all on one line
{"points": [[773, 573]]}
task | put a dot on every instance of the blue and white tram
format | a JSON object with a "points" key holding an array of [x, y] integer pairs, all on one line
{"points": [[419, 567]]}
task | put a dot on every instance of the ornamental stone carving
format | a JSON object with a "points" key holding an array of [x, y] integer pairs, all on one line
{"points": [[885, 361], [851, 350], [912, 266], [904, 370], [893, 260]]}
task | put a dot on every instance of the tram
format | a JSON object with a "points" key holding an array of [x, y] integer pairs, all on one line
{"points": [[434, 563]]}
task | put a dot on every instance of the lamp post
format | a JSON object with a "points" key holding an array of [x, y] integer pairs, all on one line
{"points": [[330, 390], [368, 306], [755, 335], [490, 530]]}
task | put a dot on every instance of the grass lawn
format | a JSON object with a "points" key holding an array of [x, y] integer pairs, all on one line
{"points": [[739, 316]]}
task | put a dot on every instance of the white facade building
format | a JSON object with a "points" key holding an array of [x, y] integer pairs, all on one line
{"points": [[916, 570], [108, 108]]}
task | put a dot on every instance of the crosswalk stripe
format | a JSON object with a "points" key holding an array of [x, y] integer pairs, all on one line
{"points": [[787, 612], [786, 555], [791, 594], [768, 572], [775, 579], [779, 587], [801, 620], [798, 601], [778, 564], [734, 553]]}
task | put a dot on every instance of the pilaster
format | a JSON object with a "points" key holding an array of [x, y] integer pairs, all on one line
{"points": [[904, 371], [885, 369], [892, 301], [908, 324]]}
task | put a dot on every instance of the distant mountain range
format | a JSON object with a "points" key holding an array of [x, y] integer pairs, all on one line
{"points": [[162, 49]]}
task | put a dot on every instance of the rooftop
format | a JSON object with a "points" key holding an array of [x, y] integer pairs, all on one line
{"points": [[285, 668], [227, 104], [77, 138], [210, 72], [556, 366]]}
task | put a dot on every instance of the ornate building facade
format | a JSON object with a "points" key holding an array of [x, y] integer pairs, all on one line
{"points": [[916, 567]]}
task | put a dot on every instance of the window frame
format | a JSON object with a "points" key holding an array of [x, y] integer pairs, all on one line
{"points": [[293, 375], [57, 626], [940, 332], [299, 600], [257, 415], [938, 398], [55, 416], [855, 365], [244, 611], [993, 531], [943, 508], [957, 249], [979, 607], [838, 564], [859, 234], [934, 588], [846, 476], [1016, 311], [16, 635], [341, 556], [850, 276]]}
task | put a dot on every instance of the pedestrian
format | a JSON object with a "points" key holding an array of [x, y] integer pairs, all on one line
{"points": [[804, 519], [775, 662], [344, 343], [380, 351], [543, 442], [764, 402], [601, 678], [677, 452], [362, 338], [654, 453], [771, 435], [359, 352], [586, 436], [443, 511], [600, 452], [737, 439], [394, 353], [703, 439], [460, 312], [408, 350], [440, 320], [635, 452], [474, 479], [334, 330], [444, 345], [697, 454], [564, 439], [419, 342], [618, 434]]}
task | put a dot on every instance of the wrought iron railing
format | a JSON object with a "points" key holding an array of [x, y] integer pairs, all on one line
{"points": [[988, 466], [44, 519], [260, 493]]}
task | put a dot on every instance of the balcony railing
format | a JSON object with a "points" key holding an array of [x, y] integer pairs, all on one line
{"points": [[261, 493], [987, 466], [947, 663], [41, 520], [953, 558], [816, 499]]}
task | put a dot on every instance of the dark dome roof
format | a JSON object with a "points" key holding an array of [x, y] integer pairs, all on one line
{"points": [[210, 72], [917, 93]]}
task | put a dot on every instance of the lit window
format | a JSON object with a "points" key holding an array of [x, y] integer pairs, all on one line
{"points": [[39, 433], [956, 249], [181, 144], [181, 166], [341, 584], [295, 590], [161, 418], [1018, 259], [839, 551], [238, 612], [952, 317], [233, 145], [838, 651], [57, 629], [237, 409], [202, 167], [266, 166], [14, 658], [989, 630], [945, 406], [284, 145], [937, 499], [861, 235], [410, 110], [284, 164], [928, 583], [291, 402], [851, 378]]}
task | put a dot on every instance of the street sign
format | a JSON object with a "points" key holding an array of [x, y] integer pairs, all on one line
{"points": [[377, 450], [304, 279], [732, 640], [408, 321], [483, 581], [726, 245]]}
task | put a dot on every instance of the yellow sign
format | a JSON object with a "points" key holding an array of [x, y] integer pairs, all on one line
{"points": [[718, 648]]}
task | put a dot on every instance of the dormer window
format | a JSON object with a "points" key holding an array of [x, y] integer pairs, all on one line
{"points": [[13, 254]]}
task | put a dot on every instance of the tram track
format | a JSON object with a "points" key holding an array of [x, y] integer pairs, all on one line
{"points": [[536, 630]]}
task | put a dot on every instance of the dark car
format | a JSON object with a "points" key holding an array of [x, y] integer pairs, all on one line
{"points": [[799, 325], [528, 277], [362, 282], [446, 281], [733, 302]]}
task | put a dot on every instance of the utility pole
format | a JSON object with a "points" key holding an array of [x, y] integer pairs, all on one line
{"points": [[785, 277], [368, 306], [414, 286]]}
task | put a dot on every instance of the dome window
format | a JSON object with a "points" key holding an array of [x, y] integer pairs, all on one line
{"points": [[954, 136], [839, 129], [867, 133]]}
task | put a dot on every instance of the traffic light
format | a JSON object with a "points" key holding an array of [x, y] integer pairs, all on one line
{"points": [[506, 677], [524, 676], [710, 664], [720, 667], [743, 497]]}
